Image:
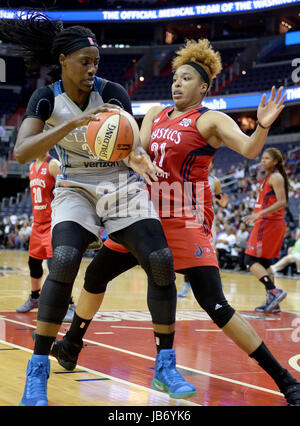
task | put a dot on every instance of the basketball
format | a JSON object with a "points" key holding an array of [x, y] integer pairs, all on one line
{"points": [[112, 137]]}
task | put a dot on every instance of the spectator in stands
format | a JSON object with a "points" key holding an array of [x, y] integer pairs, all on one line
{"points": [[294, 185], [288, 242], [23, 236], [11, 237], [2, 227], [13, 219], [240, 245], [224, 243], [239, 172]]}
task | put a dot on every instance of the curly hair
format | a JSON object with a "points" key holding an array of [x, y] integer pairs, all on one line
{"points": [[202, 53]]}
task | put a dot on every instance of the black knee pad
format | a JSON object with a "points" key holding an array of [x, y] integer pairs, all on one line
{"points": [[35, 267], [162, 267], [65, 264], [220, 313]]}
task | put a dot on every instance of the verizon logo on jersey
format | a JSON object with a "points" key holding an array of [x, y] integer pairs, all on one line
{"points": [[169, 134]]}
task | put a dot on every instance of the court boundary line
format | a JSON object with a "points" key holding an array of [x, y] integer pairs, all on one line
{"points": [[204, 373], [107, 376]]}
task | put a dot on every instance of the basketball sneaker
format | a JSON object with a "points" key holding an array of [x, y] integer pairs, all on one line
{"points": [[38, 371], [261, 308], [28, 305], [186, 288], [66, 352], [289, 386], [168, 379], [273, 298]]}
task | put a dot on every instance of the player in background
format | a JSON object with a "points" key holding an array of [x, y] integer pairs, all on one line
{"points": [[221, 200], [42, 177], [269, 227]]}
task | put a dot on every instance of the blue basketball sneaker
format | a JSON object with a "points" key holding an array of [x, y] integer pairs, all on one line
{"points": [[38, 371], [168, 379]]}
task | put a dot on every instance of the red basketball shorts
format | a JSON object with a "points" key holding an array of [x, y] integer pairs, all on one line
{"points": [[191, 247], [40, 243], [266, 238]]}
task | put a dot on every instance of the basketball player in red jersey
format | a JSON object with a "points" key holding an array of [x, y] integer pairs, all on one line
{"points": [[269, 227], [42, 177], [182, 140]]}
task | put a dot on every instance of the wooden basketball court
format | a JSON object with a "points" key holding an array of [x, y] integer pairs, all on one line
{"points": [[117, 363]]}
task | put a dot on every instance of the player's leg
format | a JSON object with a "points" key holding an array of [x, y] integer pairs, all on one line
{"points": [[106, 265], [207, 288], [145, 239], [36, 275], [259, 267], [70, 241]]}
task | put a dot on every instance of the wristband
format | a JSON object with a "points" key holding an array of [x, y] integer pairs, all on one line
{"points": [[263, 127]]}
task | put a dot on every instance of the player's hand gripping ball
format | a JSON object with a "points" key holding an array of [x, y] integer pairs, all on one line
{"points": [[111, 137]]}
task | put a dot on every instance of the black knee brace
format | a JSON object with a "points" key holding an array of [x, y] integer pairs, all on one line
{"points": [[106, 265], [65, 264], [162, 267], [207, 288], [220, 313], [162, 303], [35, 267]]}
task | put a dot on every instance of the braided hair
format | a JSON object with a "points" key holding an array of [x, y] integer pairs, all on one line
{"points": [[276, 155], [39, 38]]}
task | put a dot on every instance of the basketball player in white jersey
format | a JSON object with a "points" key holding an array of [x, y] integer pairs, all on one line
{"points": [[85, 190]]}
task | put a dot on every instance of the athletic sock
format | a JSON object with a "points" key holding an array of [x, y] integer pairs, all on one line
{"points": [[266, 360], [164, 341], [42, 344], [35, 294], [267, 282], [78, 329]]}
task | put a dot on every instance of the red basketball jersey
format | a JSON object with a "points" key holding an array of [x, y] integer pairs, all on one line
{"points": [[267, 198], [177, 147], [268, 232], [41, 188]]}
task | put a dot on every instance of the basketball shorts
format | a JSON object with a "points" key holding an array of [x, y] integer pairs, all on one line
{"points": [[190, 247], [40, 243], [266, 239], [111, 205]]}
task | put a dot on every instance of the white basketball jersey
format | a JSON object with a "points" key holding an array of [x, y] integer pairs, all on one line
{"points": [[75, 155]]}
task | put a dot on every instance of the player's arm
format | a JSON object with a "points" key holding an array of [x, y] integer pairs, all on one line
{"points": [[54, 168], [277, 183], [138, 159], [146, 127], [32, 141], [221, 199], [226, 130]]}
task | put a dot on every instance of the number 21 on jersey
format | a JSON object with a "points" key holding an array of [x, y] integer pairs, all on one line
{"points": [[156, 148]]}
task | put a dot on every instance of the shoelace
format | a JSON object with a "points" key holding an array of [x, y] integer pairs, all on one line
{"points": [[172, 374], [36, 381]]}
